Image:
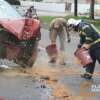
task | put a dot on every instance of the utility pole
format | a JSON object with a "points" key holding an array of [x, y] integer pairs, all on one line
{"points": [[92, 9], [75, 7]]}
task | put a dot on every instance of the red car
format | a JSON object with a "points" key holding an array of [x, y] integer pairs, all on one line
{"points": [[19, 36]]}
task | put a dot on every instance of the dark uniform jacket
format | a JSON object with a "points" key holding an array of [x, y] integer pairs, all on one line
{"points": [[89, 34]]}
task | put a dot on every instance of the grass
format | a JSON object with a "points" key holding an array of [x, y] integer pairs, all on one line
{"points": [[47, 20]]}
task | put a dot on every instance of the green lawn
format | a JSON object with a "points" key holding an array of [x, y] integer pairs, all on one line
{"points": [[47, 19]]}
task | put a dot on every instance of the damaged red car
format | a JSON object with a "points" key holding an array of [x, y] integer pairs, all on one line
{"points": [[19, 36]]}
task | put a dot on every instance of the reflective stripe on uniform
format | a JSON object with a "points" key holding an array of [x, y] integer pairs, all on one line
{"points": [[95, 29], [86, 26], [96, 41], [88, 38]]}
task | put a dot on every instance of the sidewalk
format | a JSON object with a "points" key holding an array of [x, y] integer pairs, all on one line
{"points": [[48, 13]]}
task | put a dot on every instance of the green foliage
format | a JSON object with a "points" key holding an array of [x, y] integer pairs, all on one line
{"points": [[47, 19]]}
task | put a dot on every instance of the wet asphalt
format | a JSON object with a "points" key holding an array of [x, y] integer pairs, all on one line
{"points": [[74, 81], [27, 88]]}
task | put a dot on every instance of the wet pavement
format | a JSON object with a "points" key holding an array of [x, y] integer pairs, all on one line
{"points": [[74, 80], [22, 88], [49, 81]]}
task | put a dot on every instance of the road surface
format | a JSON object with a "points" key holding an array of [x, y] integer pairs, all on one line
{"points": [[47, 81]]}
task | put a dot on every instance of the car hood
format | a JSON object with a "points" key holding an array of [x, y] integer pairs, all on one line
{"points": [[13, 22]]}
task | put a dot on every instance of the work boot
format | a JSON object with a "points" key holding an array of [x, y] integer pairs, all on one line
{"points": [[62, 58], [62, 63], [87, 76]]}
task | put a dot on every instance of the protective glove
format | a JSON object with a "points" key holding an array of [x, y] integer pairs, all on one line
{"points": [[79, 45], [86, 46]]}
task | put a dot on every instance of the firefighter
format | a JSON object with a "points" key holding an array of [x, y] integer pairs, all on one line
{"points": [[58, 27], [89, 39]]}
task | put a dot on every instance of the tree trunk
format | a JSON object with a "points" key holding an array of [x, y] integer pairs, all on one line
{"points": [[92, 9], [75, 7]]}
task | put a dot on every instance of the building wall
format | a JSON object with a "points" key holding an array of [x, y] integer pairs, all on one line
{"points": [[71, 1], [60, 7]]}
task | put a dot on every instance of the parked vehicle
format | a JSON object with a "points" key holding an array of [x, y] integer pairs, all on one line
{"points": [[19, 36]]}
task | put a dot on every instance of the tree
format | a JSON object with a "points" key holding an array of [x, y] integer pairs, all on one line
{"points": [[37, 0], [13, 2], [92, 9], [75, 7]]}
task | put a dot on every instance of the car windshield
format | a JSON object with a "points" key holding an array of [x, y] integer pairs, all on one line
{"points": [[7, 11]]}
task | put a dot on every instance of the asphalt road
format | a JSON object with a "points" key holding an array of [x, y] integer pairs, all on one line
{"points": [[75, 81], [25, 87]]}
